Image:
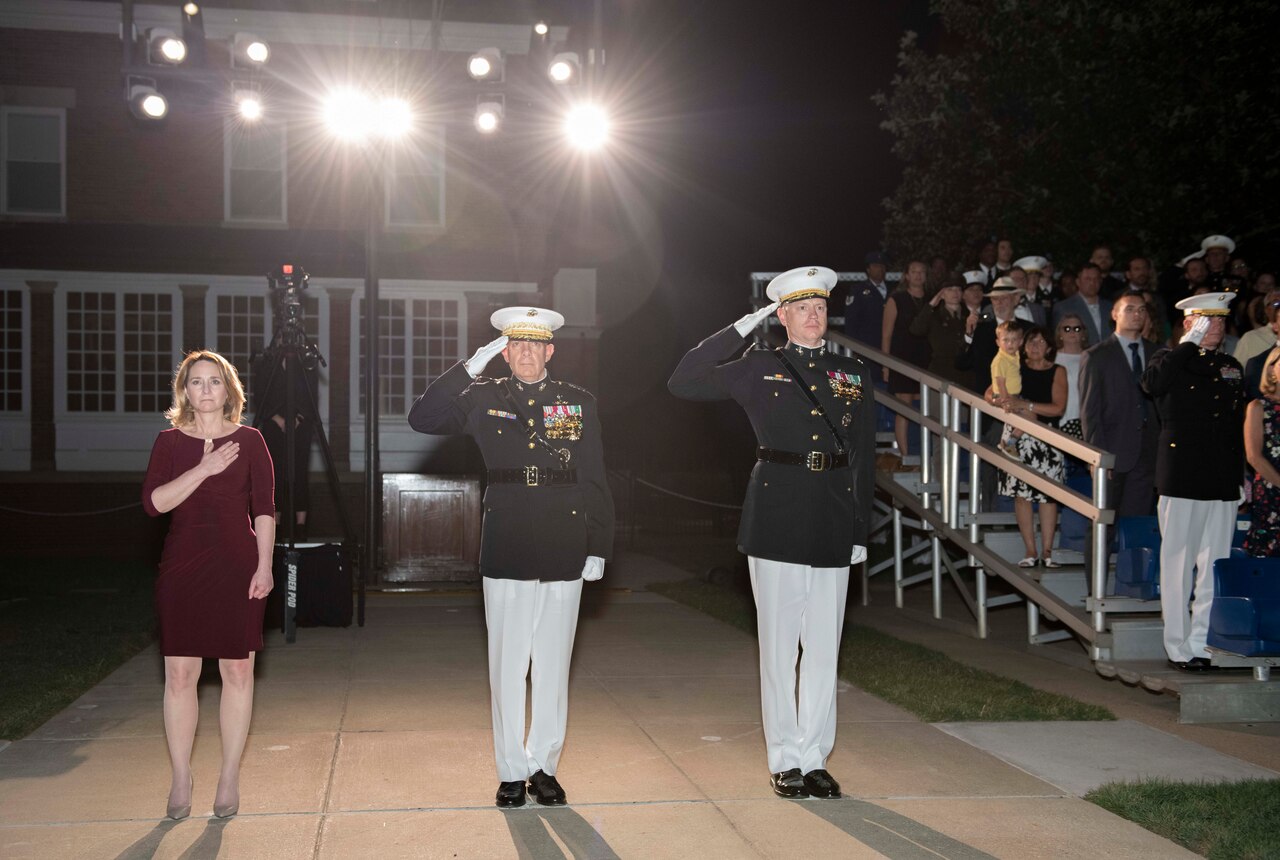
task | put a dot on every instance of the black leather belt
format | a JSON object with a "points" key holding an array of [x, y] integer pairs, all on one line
{"points": [[814, 461], [532, 476]]}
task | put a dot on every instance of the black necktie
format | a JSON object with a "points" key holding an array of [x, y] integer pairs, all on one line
{"points": [[1135, 359]]}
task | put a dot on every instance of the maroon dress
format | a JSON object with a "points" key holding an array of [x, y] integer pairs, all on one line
{"points": [[211, 551]]}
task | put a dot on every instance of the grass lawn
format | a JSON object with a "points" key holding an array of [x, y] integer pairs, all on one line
{"points": [[65, 624], [1235, 821], [925, 682]]}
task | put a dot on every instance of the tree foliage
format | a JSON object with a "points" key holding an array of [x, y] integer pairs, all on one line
{"points": [[1145, 123]]}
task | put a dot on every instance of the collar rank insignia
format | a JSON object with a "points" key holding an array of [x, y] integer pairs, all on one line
{"points": [[845, 384], [563, 421]]}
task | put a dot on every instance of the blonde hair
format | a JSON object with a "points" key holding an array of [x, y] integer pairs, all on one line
{"points": [[1268, 385], [181, 413]]}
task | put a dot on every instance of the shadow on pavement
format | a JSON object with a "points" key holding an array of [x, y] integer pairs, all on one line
{"points": [[895, 836], [531, 834]]}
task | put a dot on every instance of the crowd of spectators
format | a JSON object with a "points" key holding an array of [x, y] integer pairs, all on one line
{"points": [[1085, 335]]}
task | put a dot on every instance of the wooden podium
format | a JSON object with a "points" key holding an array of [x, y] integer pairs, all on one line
{"points": [[430, 528]]}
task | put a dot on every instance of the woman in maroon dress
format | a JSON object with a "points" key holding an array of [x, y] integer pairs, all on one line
{"points": [[215, 476]]}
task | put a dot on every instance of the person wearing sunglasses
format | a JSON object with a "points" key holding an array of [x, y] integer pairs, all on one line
{"points": [[1071, 340]]}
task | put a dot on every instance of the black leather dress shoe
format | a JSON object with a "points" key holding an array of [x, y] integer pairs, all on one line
{"points": [[546, 790], [1180, 665], [510, 794], [819, 783], [788, 783], [1200, 664]]}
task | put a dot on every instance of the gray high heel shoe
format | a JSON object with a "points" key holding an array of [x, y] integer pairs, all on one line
{"points": [[227, 810], [177, 813]]}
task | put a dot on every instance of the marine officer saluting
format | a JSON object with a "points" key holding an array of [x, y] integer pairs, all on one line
{"points": [[548, 525], [806, 513], [1199, 394]]}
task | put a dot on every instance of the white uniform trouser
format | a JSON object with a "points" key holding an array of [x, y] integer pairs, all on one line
{"points": [[798, 606], [1193, 534], [531, 627]]}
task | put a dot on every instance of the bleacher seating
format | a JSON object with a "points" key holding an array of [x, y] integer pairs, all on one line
{"points": [[1245, 618], [1073, 528], [1138, 558]]}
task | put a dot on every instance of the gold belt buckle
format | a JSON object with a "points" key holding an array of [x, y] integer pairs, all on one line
{"points": [[818, 461], [531, 476]]}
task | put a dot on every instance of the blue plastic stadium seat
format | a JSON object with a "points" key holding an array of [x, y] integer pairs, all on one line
{"points": [[1245, 618], [1073, 528], [1138, 557]]}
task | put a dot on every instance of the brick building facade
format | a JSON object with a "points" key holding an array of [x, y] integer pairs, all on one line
{"points": [[124, 243]]}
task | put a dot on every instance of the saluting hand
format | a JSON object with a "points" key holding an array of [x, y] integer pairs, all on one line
{"points": [[215, 461], [484, 355], [745, 325]]}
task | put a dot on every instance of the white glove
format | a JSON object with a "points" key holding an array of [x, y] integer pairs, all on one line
{"points": [[476, 363], [859, 554], [751, 320], [593, 569], [1197, 331]]}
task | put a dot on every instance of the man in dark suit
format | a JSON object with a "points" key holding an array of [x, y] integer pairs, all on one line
{"points": [[1200, 396], [1087, 304], [548, 525], [981, 345], [807, 510], [1116, 415]]}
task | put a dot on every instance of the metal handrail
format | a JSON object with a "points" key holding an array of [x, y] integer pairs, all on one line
{"points": [[941, 481]]}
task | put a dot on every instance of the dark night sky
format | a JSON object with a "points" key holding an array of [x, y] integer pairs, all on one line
{"points": [[771, 157]]}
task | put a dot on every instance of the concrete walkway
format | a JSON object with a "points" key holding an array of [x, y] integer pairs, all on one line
{"points": [[375, 742]]}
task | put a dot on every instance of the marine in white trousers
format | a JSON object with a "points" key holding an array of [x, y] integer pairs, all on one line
{"points": [[531, 626], [1194, 534], [798, 606]]}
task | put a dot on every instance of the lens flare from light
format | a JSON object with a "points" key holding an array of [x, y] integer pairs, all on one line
{"points": [[479, 67], [191, 10], [541, 28], [394, 118], [250, 107], [349, 114], [587, 127]]}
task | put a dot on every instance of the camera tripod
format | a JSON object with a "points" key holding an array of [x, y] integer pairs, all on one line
{"points": [[286, 361]]}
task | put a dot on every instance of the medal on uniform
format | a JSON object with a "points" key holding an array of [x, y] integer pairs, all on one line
{"points": [[845, 384], [562, 421]]}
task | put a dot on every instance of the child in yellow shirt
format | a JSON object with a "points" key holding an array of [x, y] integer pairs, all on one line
{"points": [[1006, 376]]}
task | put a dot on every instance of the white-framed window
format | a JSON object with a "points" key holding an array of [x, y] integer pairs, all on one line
{"points": [[120, 350], [254, 180], [415, 180], [418, 339], [33, 144], [12, 349]]}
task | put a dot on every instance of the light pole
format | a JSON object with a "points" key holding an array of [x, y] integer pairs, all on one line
{"points": [[358, 118]]}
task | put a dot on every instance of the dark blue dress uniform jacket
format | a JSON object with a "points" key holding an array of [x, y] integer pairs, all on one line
{"points": [[1200, 399], [540, 532], [792, 514]]}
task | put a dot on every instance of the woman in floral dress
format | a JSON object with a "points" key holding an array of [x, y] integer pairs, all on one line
{"points": [[1262, 449]]}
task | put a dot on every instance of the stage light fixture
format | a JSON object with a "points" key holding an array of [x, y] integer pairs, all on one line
{"points": [[164, 47], [486, 65], [587, 127], [541, 28], [248, 101], [565, 68], [489, 115], [145, 101], [190, 9], [248, 51]]}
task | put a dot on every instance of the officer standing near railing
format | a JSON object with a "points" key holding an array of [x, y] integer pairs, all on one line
{"points": [[807, 510], [1199, 393], [548, 525]]}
